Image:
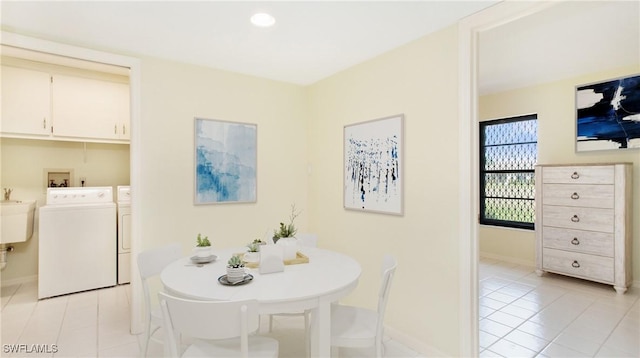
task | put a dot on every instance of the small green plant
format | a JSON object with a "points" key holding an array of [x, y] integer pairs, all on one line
{"points": [[288, 230], [202, 241], [253, 247], [235, 262]]}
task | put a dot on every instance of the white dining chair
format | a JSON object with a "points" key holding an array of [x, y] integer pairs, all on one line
{"points": [[150, 264], [304, 240], [217, 328], [357, 327]]}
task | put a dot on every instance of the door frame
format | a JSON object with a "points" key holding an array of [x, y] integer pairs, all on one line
{"points": [[469, 30]]}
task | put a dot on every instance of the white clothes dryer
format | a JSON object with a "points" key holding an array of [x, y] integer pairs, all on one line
{"points": [[77, 241], [124, 233]]}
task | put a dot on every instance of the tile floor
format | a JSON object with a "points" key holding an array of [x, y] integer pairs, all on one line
{"points": [[96, 324], [523, 315]]}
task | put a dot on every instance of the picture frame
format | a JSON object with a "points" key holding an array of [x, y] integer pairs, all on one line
{"points": [[608, 114], [225, 155], [373, 165]]}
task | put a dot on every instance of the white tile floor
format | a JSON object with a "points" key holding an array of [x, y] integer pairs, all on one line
{"points": [[96, 324], [523, 315]]}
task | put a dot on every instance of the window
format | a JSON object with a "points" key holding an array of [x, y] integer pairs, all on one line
{"points": [[508, 155]]}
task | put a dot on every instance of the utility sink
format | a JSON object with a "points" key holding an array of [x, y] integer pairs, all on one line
{"points": [[17, 220]]}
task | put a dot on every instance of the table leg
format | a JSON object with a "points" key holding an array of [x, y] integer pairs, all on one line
{"points": [[320, 330]]}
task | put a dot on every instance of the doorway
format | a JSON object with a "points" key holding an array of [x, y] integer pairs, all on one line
{"points": [[133, 64]]}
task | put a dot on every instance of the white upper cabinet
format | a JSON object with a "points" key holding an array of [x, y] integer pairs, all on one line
{"points": [[37, 104], [26, 102], [89, 108]]}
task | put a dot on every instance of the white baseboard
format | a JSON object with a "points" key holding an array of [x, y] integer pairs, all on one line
{"points": [[19, 280], [412, 343], [488, 255], [508, 259]]}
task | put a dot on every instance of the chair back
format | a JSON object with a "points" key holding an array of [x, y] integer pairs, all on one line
{"points": [[209, 320], [308, 240], [389, 265], [152, 261]]}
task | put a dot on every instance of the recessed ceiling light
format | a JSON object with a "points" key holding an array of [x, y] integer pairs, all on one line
{"points": [[263, 20]]}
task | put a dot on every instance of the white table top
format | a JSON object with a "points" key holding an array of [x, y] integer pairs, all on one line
{"points": [[327, 277], [326, 273]]}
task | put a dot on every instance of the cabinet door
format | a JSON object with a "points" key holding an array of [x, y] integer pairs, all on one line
{"points": [[26, 102], [89, 108]]}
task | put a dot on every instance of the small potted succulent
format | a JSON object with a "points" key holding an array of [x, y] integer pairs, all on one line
{"points": [[235, 269], [203, 246], [253, 251]]}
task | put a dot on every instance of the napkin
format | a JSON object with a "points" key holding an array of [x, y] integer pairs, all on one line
{"points": [[271, 259]]}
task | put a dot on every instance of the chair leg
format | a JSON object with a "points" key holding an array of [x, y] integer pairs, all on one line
{"points": [[379, 348], [307, 343], [147, 338]]}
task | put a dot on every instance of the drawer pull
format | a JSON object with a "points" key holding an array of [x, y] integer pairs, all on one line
{"points": [[575, 218], [575, 175], [575, 241], [575, 264], [575, 196]]}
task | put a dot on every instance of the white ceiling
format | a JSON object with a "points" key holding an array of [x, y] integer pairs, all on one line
{"points": [[564, 41], [310, 41], [313, 40]]}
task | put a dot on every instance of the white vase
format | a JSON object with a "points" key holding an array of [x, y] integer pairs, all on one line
{"points": [[290, 247], [202, 251], [235, 274]]}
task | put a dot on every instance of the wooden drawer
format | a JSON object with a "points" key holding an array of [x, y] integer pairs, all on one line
{"points": [[586, 266], [587, 242], [587, 195], [579, 175], [577, 218]]}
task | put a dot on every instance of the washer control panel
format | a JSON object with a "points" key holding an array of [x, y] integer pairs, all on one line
{"points": [[79, 195]]}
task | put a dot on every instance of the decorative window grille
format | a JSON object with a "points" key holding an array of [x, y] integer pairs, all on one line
{"points": [[508, 155]]}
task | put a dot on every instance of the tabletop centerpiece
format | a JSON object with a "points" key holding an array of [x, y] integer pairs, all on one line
{"points": [[203, 246], [253, 251], [235, 269], [285, 235]]}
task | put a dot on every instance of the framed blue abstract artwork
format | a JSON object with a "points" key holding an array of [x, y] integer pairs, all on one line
{"points": [[608, 114], [225, 162], [373, 162]]}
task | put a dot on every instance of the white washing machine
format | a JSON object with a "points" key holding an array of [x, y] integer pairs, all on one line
{"points": [[77, 241], [123, 195]]}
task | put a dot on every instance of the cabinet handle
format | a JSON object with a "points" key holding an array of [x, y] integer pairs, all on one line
{"points": [[115, 129], [575, 219], [575, 196], [575, 241], [44, 123], [124, 129], [575, 175], [575, 264]]}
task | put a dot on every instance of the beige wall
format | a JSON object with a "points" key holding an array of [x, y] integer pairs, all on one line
{"points": [[172, 95], [22, 167], [419, 80], [555, 105]]}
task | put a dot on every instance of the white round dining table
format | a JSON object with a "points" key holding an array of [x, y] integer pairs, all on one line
{"points": [[326, 278]]}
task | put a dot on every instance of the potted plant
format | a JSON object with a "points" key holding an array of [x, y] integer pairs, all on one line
{"points": [[203, 246], [285, 235], [253, 251], [235, 269]]}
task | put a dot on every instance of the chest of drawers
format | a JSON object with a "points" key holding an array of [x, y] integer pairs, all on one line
{"points": [[583, 222]]}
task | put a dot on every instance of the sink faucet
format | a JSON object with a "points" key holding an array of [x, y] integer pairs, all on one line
{"points": [[7, 194]]}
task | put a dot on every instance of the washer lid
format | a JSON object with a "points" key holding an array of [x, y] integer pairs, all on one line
{"points": [[79, 195], [124, 194]]}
